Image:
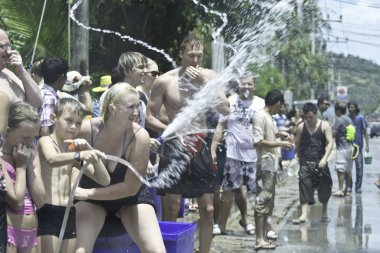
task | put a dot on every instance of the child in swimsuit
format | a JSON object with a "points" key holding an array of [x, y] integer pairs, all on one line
{"points": [[22, 167], [59, 169]]}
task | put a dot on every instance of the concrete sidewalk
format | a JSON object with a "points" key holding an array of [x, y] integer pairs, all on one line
{"points": [[236, 240]]}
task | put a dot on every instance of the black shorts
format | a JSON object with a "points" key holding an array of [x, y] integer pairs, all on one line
{"points": [[50, 220], [112, 206], [198, 177], [312, 178]]}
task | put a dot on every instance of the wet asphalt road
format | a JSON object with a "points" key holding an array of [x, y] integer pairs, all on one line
{"points": [[354, 220]]}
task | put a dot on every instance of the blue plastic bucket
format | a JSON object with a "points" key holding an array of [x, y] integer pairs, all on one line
{"points": [[287, 154], [178, 238]]}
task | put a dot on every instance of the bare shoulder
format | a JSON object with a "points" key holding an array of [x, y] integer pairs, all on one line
{"points": [[166, 79], [141, 134], [10, 74], [325, 125], [89, 124], [44, 140], [11, 77], [300, 126]]}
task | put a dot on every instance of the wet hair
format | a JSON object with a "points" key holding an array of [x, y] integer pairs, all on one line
{"points": [[129, 60], [114, 96], [357, 110], [52, 68], [321, 99], [310, 107], [248, 75], [232, 87], [273, 97], [68, 105], [20, 112], [340, 107], [191, 42], [151, 65]]}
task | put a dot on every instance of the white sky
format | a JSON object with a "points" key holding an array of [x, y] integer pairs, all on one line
{"points": [[360, 22]]}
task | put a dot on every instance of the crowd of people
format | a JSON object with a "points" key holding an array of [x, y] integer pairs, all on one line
{"points": [[52, 129]]}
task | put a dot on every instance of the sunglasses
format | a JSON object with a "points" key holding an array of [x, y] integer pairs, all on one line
{"points": [[154, 73], [5, 46]]}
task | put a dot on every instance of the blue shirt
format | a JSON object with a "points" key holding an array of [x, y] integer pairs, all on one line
{"points": [[360, 125]]}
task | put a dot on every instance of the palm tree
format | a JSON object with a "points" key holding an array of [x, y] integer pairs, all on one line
{"points": [[21, 18]]}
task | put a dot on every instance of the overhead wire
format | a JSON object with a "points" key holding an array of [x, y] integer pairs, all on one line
{"points": [[341, 23], [362, 3]]}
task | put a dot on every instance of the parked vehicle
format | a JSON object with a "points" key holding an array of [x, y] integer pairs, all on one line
{"points": [[374, 129]]}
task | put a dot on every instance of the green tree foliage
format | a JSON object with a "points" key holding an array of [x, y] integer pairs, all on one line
{"points": [[303, 69], [164, 24], [362, 77], [21, 19]]}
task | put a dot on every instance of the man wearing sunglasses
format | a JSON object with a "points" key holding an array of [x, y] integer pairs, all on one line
{"points": [[19, 86]]}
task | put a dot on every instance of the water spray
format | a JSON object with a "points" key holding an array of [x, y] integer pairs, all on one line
{"points": [[123, 37]]}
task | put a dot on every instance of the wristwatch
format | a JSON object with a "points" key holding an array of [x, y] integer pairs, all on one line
{"points": [[77, 156]]}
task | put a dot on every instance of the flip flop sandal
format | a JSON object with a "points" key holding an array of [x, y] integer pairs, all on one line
{"points": [[264, 246], [216, 230], [338, 194], [249, 228], [272, 235]]}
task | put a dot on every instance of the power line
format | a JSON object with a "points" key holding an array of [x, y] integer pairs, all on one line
{"points": [[359, 33], [340, 10], [353, 40], [370, 4]]}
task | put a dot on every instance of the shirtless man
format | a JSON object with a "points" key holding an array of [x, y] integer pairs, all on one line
{"points": [[172, 90], [20, 87]]}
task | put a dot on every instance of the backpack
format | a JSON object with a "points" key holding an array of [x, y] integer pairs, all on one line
{"points": [[350, 132]]}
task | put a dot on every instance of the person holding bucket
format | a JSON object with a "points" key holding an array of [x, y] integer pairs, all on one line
{"points": [[343, 164], [361, 130]]}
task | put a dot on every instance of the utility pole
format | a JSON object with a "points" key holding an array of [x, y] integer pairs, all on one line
{"points": [[313, 34], [80, 40]]}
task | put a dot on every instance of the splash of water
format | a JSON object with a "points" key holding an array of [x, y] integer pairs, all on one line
{"points": [[249, 48], [123, 37], [222, 16], [217, 33], [252, 49]]}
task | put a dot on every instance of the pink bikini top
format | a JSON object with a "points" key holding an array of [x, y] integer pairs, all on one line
{"points": [[28, 206]]}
